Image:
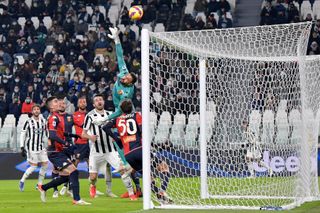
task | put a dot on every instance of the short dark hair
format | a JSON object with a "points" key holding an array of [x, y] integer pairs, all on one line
{"points": [[35, 105], [134, 78], [126, 106], [49, 101], [98, 95]]}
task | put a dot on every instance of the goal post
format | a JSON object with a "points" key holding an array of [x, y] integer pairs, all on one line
{"points": [[230, 118]]}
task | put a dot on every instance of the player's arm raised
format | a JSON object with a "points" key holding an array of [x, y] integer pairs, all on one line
{"points": [[86, 127], [123, 70]]}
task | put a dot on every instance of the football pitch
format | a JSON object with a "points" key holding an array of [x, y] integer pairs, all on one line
{"points": [[12, 200]]}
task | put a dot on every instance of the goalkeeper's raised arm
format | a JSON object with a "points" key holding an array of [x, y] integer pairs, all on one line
{"points": [[124, 86]]}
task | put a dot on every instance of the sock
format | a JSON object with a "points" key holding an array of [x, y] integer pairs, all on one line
{"points": [[108, 178], [165, 178], [154, 188], [136, 181], [28, 172], [93, 182], [42, 173], [74, 184], [55, 182], [54, 176], [250, 167], [127, 182]]}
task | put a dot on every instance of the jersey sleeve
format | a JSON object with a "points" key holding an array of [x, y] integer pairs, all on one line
{"points": [[123, 70], [87, 123], [53, 122], [23, 133]]}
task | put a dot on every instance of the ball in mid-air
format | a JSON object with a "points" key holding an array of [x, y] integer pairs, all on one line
{"points": [[135, 12]]}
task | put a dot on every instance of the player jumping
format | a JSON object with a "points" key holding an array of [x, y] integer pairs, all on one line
{"points": [[32, 145], [102, 150], [129, 126], [56, 153]]}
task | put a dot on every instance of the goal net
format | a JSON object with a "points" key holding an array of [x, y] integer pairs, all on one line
{"points": [[230, 118]]}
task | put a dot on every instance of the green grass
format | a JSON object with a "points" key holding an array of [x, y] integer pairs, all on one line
{"points": [[12, 200]]}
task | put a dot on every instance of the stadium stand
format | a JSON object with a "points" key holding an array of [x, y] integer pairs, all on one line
{"points": [[61, 48]]}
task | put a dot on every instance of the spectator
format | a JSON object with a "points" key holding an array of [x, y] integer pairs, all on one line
{"points": [[213, 7], [224, 6], [27, 106], [3, 107], [211, 22], [200, 6], [293, 13], [267, 14], [75, 83], [224, 22], [7, 59], [98, 15], [15, 108]]}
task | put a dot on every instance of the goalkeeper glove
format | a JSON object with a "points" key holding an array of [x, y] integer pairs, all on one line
{"points": [[114, 34], [23, 152]]}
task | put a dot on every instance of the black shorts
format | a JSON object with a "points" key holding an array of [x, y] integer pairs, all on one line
{"points": [[60, 160], [134, 158], [82, 151]]}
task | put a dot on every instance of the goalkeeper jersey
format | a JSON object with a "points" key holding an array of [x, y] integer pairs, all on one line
{"points": [[120, 91]]}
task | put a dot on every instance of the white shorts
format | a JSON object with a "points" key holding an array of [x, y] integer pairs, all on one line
{"points": [[99, 160], [37, 157]]}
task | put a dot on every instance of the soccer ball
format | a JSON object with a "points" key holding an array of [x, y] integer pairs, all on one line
{"points": [[135, 12]]}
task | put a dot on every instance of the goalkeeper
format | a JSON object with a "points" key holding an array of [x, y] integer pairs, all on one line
{"points": [[123, 89]]}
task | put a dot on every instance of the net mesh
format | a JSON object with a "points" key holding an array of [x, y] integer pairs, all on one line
{"points": [[257, 154]]}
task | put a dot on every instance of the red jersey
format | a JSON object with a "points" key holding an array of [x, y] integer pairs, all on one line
{"points": [[56, 123], [128, 126], [78, 120]]}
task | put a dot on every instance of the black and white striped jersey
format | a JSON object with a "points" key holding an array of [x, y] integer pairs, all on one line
{"points": [[103, 143], [33, 134]]}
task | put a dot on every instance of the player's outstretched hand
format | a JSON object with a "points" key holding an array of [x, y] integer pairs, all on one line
{"points": [[114, 34], [23, 152]]}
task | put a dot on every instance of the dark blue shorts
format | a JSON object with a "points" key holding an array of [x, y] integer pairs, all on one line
{"points": [[60, 160], [134, 158], [82, 151]]}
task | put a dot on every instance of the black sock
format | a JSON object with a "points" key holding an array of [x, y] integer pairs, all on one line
{"points": [[54, 176], [74, 184], [165, 178], [154, 188], [55, 182], [136, 181]]}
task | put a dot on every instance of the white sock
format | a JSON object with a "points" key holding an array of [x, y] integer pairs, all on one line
{"points": [[28, 172], [127, 182], [42, 173], [250, 167], [108, 178]]}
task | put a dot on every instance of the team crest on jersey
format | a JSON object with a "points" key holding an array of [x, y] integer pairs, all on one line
{"points": [[120, 92]]}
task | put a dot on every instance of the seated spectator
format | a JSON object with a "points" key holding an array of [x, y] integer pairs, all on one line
{"points": [[224, 22], [199, 23], [308, 17], [224, 6], [7, 59], [15, 108], [101, 43], [314, 48], [293, 13], [200, 6], [213, 7], [75, 83], [211, 22], [267, 14], [27, 106]]}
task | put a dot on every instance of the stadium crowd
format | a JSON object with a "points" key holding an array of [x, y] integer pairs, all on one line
{"points": [[30, 72], [290, 11]]}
